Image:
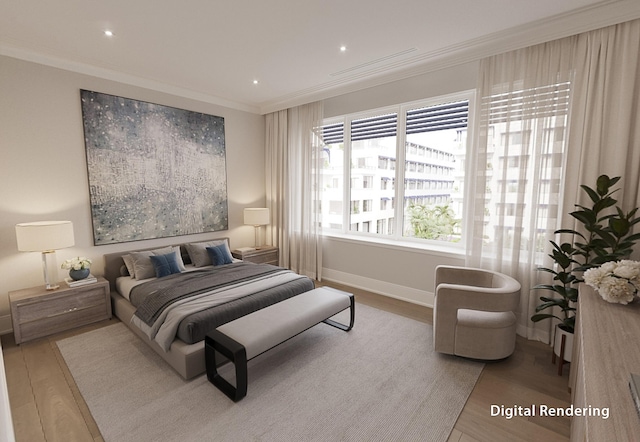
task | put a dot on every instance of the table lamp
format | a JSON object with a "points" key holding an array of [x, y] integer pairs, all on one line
{"points": [[45, 237], [257, 218]]}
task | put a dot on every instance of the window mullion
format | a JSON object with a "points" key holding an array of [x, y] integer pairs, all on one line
{"points": [[346, 211], [400, 169]]}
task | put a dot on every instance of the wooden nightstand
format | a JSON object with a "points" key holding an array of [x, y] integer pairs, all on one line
{"points": [[36, 312], [263, 255]]}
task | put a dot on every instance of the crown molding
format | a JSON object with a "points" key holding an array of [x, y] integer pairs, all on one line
{"points": [[121, 77]]}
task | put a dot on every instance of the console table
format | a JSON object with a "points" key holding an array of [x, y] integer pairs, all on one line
{"points": [[606, 350]]}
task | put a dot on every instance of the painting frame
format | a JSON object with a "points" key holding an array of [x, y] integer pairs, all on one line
{"points": [[154, 171]]}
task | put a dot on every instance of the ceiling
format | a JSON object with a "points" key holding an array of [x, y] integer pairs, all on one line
{"points": [[213, 51]]}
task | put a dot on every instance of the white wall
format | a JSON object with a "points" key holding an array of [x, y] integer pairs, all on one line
{"points": [[397, 271], [43, 171]]}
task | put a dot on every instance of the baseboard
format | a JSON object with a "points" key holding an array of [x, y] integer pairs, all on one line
{"points": [[396, 291]]}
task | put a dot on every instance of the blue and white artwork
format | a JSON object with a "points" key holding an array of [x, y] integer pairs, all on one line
{"points": [[154, 171]]}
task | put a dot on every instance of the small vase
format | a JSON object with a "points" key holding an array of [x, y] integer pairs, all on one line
{"points": [[76, 275]]}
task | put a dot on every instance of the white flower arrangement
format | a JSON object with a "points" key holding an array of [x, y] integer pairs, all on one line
{"points": [[617, 282], [78, 263]]}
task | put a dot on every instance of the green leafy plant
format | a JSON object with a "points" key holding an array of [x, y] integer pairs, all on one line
{"points": [[607, 235], [437, 222]]}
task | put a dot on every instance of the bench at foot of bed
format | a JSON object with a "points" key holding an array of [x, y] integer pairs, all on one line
{"points": [[255, 333]]}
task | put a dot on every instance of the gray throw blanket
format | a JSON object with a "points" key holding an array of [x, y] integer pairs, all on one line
{"points": [[173, 288]]}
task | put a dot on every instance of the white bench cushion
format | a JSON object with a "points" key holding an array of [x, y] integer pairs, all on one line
{"points": [[261, 330]]}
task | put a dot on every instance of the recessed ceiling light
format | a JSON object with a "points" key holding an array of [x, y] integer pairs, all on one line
{"points": [[343, 48], [255, 82], [108, 33]]}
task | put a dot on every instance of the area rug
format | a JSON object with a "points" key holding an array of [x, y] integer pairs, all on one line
{"points": [[380, 381]]}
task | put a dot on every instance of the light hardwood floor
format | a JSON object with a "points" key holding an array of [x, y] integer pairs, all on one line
{"points": [[47, 406]]}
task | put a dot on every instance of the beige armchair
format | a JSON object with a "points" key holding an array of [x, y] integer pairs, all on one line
{"points": [[473, 313]]}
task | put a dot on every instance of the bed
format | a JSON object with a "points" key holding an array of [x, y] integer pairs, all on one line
{"points": [[191, 296]]}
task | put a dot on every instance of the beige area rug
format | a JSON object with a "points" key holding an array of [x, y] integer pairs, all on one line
{"points": [[381, 381]]}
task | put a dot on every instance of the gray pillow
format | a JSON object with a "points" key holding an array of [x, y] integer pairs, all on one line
{"points": [[198, 251], [142, 265], [128, 262]]}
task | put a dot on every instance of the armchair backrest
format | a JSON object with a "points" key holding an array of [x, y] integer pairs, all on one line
{"points": [[475, 289]]}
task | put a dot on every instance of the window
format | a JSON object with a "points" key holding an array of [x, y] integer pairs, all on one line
{"points": [[421, 146], [333, 176], [525, 140], [373, 141]]}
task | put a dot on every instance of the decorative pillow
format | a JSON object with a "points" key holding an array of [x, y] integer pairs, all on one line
{"points": [[165, 265], [219, 255], [179, 260], [128, 262], [199, 254], [142, 265]]}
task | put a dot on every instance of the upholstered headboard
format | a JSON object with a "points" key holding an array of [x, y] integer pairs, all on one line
{"points": [[113, 261]]}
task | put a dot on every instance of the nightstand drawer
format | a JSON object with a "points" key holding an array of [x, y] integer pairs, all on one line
{"points": [[62, 321], [36, 313], [53, 306], [263, 255], [266, 258]]}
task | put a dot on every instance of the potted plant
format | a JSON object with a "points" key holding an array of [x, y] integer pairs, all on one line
{"points": [[79, 267], [606, 236]]}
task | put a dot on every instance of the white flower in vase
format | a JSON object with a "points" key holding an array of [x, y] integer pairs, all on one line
{"points": [[616, 282]]}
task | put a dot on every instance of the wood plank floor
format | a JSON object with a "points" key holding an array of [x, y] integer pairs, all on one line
{"points": [[47, 406]]}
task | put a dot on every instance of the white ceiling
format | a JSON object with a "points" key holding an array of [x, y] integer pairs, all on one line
{"points": [[212, 50]]}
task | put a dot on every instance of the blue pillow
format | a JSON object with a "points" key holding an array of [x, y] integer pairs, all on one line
{"points": [[165, 265], [219, 255]]}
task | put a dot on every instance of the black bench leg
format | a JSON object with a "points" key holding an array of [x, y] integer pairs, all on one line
{"points": [[236, 353], [353, 317]]}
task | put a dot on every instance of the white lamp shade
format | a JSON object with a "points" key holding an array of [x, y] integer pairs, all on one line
{"points": [[256, 217], [44, 235]]}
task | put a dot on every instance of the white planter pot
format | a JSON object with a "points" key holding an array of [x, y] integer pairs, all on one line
{"points": [[568, 344]]}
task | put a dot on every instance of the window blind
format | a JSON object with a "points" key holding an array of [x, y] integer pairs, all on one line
{"points": [[333, 133], [441, 117], [537, 102], [374, 127], [453, 115]]}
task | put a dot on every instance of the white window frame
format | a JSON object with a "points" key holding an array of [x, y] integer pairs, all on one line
{"points": [[397, 237]]}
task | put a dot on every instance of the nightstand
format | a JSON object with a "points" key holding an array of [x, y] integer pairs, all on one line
{"points": [[262, 255], [37, 312]]}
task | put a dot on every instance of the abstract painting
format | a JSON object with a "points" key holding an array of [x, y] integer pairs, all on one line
{"points": [[154, 171]]}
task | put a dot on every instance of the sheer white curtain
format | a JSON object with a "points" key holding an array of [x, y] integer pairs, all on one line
{"points": [[520, 154], [293, 162], [552, 116]]}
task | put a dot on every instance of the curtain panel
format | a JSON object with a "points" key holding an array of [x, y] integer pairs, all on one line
{"points": [[604, 133], [552, 116], [293, 164]]}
